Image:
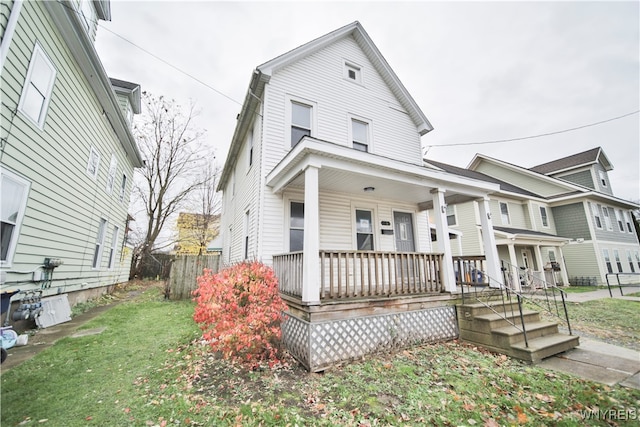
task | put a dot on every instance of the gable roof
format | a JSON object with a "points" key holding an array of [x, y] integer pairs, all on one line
{"points": [[504, 186], [573, 161]]}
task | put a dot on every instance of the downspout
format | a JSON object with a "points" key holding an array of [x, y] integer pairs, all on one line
{"points": [[9, 31]]}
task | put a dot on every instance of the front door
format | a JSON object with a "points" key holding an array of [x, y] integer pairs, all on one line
{"points": [[403, 223]]}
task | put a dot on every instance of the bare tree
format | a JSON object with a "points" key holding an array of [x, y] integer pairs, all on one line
{"points": [[172, 149]]}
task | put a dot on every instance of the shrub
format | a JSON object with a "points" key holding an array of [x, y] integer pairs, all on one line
{"points": [[239, 311]]}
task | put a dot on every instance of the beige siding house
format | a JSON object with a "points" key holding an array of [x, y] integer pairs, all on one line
{"points": [[325, 181], [67, 156]]}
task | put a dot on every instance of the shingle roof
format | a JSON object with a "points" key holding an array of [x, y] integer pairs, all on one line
{"points": [[505, 186], [523, 231], [584, 158]]}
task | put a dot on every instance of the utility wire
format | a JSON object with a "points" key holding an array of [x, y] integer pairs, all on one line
{"points": [[533, 136]]}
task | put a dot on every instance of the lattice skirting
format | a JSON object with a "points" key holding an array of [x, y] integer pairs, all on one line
{"points": [[320, 345]]}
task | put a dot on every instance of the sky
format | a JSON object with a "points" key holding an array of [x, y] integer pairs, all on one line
{"points": [[480, 71]]}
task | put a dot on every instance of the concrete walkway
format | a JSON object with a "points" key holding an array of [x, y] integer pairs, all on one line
{"points": [[602, 293]]}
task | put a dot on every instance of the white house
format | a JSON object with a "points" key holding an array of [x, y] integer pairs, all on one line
{"points": [[325, 181]]}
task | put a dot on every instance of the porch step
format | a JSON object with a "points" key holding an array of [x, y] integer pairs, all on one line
{"points": [[496, 331]]}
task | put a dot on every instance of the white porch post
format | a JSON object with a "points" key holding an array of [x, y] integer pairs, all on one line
{"points": [[489, 243], [513, 260], [563, 267], [311, 247], [442, 233], [540, 264]]}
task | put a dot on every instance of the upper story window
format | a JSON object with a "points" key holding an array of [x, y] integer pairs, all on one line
{"points": [[607, 218], [595, 210], [353, 72], [451, 215], [88, 13], [250, 147], [543, 216], [123, 187], [38, 86], [111, 176], [13, 193], [603, 178], [627, 218], [360, 135], [94, 163], [619, 220], [504, 213], [300, 122]]}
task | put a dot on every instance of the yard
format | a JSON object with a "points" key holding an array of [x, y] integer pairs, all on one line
{"points": [[148, 367]]}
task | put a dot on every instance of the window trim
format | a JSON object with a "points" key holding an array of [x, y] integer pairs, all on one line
{"points": [[13, 242], [616, 256], [250, 136], [607, 260], [630, 261], [351, 118], [544, 218], [454, 213], [502, 214], [289, 226], [627, 218], [111, 174], [123, 187], [93, 152], [357, 70], [595, 214], [46, 92], [355, 233], [619, 219], [96, 262], [603, 178], [607, 218], [289, 101]]}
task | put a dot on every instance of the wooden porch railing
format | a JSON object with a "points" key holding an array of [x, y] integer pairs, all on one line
{"points": [[470, 270], [358, 274]]}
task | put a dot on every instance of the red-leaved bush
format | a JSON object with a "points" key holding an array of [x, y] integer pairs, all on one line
{"points": [[239, 311]]}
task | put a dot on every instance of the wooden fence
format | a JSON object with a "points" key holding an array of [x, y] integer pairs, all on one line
{"points": [[185, 271]]}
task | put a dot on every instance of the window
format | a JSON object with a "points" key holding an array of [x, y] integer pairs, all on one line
{"points": [[250, 147], [451, 215], [246, 235], [636, 254], [94, 163], [595, 210], [619, 220], [504, 212], [114, 246], [111, 177], [296, 227], [352, 72], [627, 218], [552, 256], [123, 187], [616, 255], [603, 178], [543, 215], [38, 86], [607, 260], [13, 193], [364, 230], [360, 135], [630, 261], [300, 122], [607, 218], [97, 253]]}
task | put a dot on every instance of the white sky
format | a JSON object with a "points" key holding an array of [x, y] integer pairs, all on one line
{"points": [[480, 71]]}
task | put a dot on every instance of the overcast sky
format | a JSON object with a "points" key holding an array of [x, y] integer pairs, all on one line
{"points": [[480, 71]]}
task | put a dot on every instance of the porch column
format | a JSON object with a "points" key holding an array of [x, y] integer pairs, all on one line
{"points": [[564, 274], [489, 243], [311, 247], [442, 233], [513, 261], [540, 264]]}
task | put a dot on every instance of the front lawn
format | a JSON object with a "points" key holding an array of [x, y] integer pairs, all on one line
{"points": [[148, 368]]}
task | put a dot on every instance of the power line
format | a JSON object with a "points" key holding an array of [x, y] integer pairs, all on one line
{"points": [[534, 136]]}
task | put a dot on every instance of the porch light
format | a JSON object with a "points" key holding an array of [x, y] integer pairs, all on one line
{"points": [[369, 189]]}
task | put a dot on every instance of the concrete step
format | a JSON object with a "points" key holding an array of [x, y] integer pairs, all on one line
{"points": [[543, 347], [485, 323], [509, 335], [469, 311]]}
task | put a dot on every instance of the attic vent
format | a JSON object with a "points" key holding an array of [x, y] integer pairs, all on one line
{"points": [[352, 72]]}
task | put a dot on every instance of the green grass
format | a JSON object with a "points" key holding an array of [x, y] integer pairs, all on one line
{"points": [[149, 368], [582, 289]]}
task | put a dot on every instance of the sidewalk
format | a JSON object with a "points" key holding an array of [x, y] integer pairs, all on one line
{"points": [[578, 297]]}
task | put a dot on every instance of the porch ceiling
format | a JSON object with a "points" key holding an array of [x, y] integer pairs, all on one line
{"points": [[344, 170]]}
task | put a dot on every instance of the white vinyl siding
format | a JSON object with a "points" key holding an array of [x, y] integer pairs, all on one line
{"points": [[38, 85], [14, 191]]}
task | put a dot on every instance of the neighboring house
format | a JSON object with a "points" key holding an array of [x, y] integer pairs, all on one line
{"points": [[325, 181], [559, 214], [195, 232], [67, 155]]}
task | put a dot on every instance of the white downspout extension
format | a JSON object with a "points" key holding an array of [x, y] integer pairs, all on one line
{"points": [[489, 243], [311, 247], [8, 32], [442, 233]]}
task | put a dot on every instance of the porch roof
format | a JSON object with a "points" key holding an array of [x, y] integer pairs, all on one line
{"points": [[516, 234], [343, 169]]}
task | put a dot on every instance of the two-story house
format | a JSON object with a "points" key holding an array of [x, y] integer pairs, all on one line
{"points": [[325, 181], [559, 221], [67, 156]]}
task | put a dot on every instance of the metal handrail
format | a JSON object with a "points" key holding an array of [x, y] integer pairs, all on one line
{"points": [[606, 276]]}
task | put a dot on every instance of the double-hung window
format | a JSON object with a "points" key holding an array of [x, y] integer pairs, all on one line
{"points": [[360, 135], [603, 178], [632, 268], [93, 164], [123, 187], [504, 213], [607, 218], [300, 122], [38, 86], [114, 246], [627, 219], [595, 210], [13, 194], [364, 230], [97, 253], [616, 255], [607, 260], [619, 220], [451, 215], [544, 217], [296, 227], [111, 176]]}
